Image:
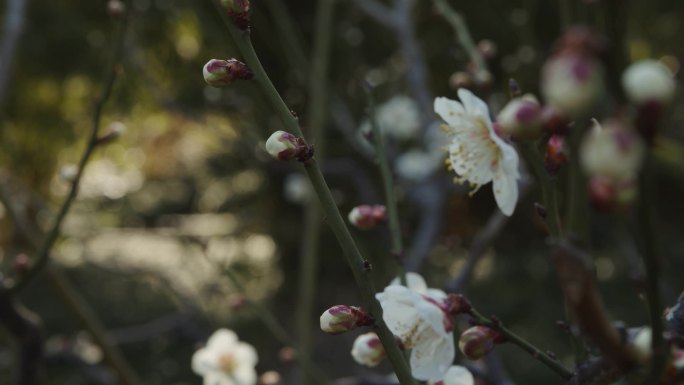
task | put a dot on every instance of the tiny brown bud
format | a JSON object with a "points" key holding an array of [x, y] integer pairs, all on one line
{"points": [[458, 304], [460, 80]]}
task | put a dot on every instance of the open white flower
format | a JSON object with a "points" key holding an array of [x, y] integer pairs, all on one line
{"points": [[456, 375], [225, 360], [421, 323], [476, 153]]}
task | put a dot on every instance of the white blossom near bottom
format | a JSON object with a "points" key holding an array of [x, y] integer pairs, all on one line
{"points": [[225, 360], [476, 152], [421, 322], [456, 375]]}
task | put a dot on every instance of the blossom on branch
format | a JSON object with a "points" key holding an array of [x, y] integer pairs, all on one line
{"points": [[418, 316], [476, 153], [456, 375], [225, 360]]}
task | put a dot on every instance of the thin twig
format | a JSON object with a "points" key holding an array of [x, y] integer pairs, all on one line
{"points": [[535, 352], [397, 249], [317, 119], [43, 253]]}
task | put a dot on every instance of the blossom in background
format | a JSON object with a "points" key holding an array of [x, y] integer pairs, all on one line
{"points": [[476, 153], [648, 81], [367, 350], [456, 375], [225, 360], [418, 316], [613, 151], [398, 118], [367, 216], [416, 165]]}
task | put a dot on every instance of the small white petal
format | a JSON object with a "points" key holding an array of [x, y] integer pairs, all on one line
{"points": [[458, 375], [505, 192], [449, 110], [203, 362], [222, 339], [414, 281], [431, 360], [217, 378], [245, 354], [473, 105]]}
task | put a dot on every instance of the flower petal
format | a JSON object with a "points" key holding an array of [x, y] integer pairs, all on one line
{"points": [[432, 359], [473, 105], [505, 191], [414, 281], [217, 378], [222, 340], [244, 375], [245, 355], [449, 110], [458, 375], [204, 361]]}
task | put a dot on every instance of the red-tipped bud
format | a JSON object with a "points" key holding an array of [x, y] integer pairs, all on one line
{"points": [[238, 11], [367, 216], [477, 341], [367, 350], [21, 263], [457, 304], [556, 154], [521, 118], [573, 83], [284, 146], [342, 318], [222, 73]]}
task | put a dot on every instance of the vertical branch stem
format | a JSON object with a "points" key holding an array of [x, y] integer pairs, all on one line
{"points": [[317, 117], [335, 221]]}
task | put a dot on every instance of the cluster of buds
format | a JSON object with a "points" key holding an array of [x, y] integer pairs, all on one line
{"points": [[477, 341], [572, 78], [367, 350], [238, 12], [612, 156], [284, 146], [367, 216], [222, 73], [342, 318]]}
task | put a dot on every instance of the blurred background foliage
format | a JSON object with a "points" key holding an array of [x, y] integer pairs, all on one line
{"points": [[188, 188]]}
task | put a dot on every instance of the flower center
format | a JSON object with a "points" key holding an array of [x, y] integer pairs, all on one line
{"points": [[227, 363]]}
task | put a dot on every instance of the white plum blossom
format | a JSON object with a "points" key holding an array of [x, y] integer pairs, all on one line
{"points": [[456, 375], [398, 118], [418, 317], [476, 153], [225, 360], [648, 80], [416, 165]]}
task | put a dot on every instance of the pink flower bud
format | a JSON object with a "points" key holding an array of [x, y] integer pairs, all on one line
{"points": [[367, 350], [284, 146], [222, 73], [367, 216], [556, 155], [521, 118], [613, 151], [573, 83], [477, 341], [342, 318], [238, 12]]}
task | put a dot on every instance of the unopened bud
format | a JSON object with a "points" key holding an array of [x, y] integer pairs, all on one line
{"points": [[573, 83], [270, 377], [613, 151], [21, 263], [222, 73], [648, 81], [342, 318], [458, 304], [68, 173], [477, 341], [287, 354], [521, 118], [113, 132], [116, 8], [487, 48], [556, 154], [367, 216], [460, 79], [238, 12], [284, 146], [367, 350]]}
